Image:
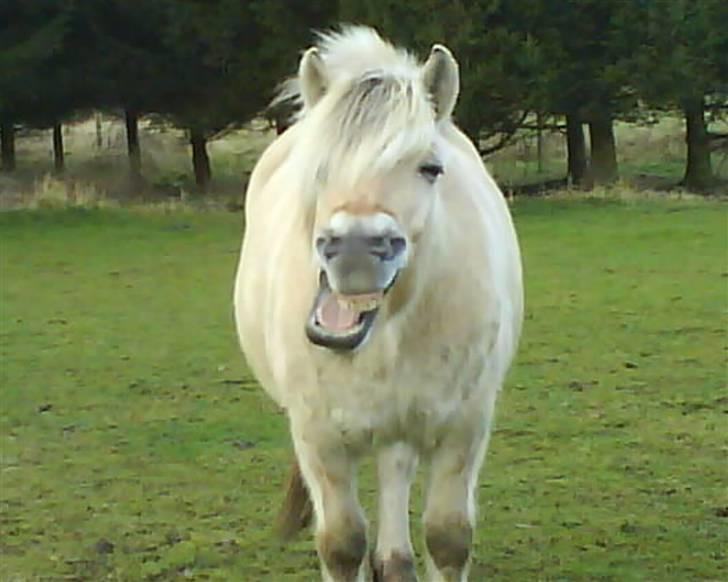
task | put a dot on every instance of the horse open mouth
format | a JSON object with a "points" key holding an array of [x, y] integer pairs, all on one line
{"points": [[342, 322]]}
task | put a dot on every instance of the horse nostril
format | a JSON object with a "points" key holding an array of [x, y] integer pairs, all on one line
{"points": [[321, 243], [385, 247], [398, 245], [328, 246]]}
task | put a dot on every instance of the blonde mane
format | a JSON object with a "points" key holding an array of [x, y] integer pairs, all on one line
{"points": [[374, 114]]}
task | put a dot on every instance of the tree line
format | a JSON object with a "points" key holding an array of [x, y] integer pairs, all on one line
{"points": [[205, 66]]}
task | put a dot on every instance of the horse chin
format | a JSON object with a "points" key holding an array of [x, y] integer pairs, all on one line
{"points": [[341, 340]]}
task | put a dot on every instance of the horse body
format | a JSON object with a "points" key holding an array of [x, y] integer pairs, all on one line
{"points": [[435, 283]]}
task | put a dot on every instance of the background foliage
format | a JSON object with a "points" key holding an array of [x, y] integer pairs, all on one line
{"points": [[208, 67]]}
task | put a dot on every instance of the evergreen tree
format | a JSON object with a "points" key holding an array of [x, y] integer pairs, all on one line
{"points": [[682, 63], [34, 83], [213, 74], [498, 60], [583, 78], [288, 26], [129, 64]]}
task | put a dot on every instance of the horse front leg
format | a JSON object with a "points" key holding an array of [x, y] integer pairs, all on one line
{"points": [[340, 527], [393, 560], [450, 508]]}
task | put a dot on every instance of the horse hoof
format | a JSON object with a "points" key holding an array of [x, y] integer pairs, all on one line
{"points": [[397, 568]]}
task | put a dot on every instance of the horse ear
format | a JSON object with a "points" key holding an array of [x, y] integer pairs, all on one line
{"points": [[442, 80], [312, 77]]}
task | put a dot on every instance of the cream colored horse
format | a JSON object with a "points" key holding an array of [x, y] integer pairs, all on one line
{"points": [[379, 300]]}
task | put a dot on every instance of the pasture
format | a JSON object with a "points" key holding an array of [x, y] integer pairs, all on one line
{"points": [[136, 446]]}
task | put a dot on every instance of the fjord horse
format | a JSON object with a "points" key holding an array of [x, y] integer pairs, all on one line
{"points": [[379, 301]]}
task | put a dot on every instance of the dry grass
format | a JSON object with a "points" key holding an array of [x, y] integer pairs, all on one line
{"points": [[103, 167], [651, 158], [49, 192]]}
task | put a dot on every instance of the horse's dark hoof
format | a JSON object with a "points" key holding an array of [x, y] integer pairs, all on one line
{"points": [[397, 568]]}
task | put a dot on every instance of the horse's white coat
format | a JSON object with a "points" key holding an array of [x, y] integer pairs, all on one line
{"points": [[426, 381]]}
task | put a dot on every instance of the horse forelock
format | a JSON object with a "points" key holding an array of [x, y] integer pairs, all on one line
{"points": [[375, 113]]}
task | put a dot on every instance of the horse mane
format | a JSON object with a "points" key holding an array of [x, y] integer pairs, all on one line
{"points": [[375, 111]]}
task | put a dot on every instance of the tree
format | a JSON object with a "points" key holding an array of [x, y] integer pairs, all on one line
{"points": [[582, 77], [284, 39], [31, 38], [577, 164], [7, 145], [683, 63], [45, 64], [497, 58], [212, 72], [59, 155], [130, 64]]}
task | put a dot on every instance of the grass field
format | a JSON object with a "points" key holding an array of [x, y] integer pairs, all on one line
{"points": [[136, 446]]}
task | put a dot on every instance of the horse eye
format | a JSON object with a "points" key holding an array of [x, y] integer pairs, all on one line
{"points": [[431, 171]]}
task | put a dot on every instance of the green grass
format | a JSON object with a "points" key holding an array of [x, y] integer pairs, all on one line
{"points": [[136, 446]]}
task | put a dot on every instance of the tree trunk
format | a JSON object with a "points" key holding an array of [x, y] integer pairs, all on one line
{"points": [[200, 160], [603, 150], [539, 142], [577, 166], [99, 134], [698, 172], [7, 145], [131, 118], [59, 157]]}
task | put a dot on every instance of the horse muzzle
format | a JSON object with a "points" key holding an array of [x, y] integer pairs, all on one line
{"points": [[357, 271]]}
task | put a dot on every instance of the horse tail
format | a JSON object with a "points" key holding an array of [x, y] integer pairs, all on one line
{"points": [[296, 513]]}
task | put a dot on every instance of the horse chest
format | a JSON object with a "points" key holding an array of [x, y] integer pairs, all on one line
{"points": [[412, 399]]}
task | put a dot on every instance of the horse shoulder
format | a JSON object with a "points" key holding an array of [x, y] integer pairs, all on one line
{"points": [[269, 162], [252, 304]]}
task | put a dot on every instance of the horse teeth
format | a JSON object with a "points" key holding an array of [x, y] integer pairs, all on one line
{"points": [[355, 304]]}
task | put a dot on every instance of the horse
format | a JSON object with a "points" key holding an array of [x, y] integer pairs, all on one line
{"points": [[378, 300]]}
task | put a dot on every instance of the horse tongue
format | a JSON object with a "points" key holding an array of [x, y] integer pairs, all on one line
{"points": [[334, 316]]}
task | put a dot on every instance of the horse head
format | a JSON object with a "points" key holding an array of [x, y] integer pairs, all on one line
{"points": [[376, 168]]}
